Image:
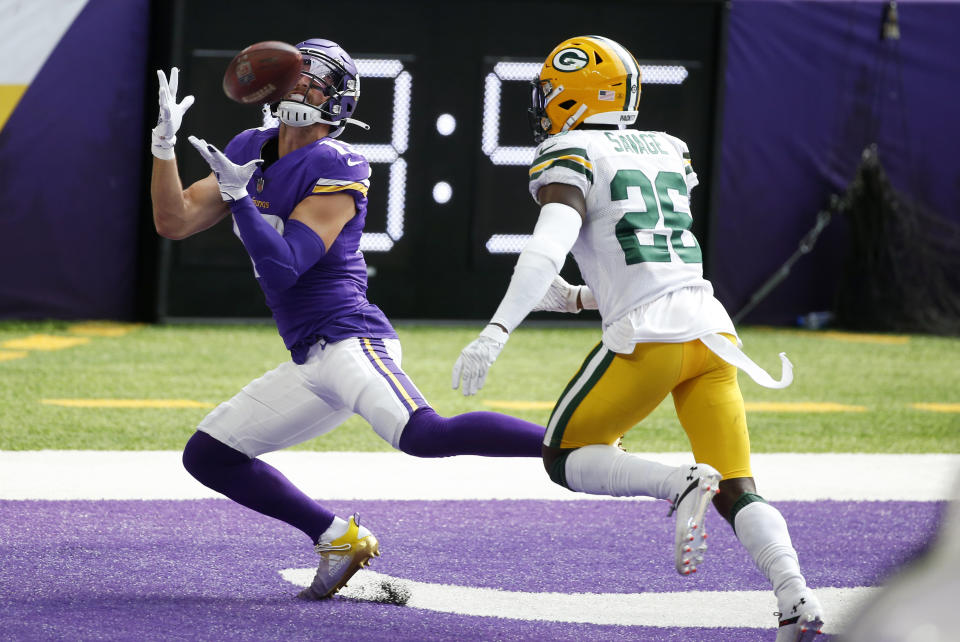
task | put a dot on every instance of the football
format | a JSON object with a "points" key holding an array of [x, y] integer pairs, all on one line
{"points": [[262, 73]]}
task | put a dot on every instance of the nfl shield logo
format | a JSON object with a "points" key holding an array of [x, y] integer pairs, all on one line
{"points": [[259, 184]]}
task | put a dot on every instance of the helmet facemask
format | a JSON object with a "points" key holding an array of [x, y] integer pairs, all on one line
{"points": [[539, 121], [339, 83]]}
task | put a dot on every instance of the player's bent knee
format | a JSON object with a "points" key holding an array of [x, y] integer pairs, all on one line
{"points": [[204, 454], [555, 463], [193, 455], [425, 435]]}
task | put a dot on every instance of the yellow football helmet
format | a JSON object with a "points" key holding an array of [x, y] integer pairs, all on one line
{"points": [[585, 80]]}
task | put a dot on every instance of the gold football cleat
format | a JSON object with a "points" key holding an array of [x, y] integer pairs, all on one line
{"points": [[340, 559]]}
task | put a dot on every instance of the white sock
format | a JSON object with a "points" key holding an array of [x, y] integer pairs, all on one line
{"points": [[763, 532], [335, 530], [607, 470]]}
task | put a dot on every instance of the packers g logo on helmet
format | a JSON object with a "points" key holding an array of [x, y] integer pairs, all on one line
{"points": [[570, 59], [585, 80]]}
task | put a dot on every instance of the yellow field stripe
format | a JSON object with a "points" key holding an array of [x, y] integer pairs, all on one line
{"points": [[937, 407], [126, 403], [10, 355], [103, 328], [44, 342]]}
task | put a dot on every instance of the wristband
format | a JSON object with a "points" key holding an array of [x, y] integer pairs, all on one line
{"points": [[162, 148]]}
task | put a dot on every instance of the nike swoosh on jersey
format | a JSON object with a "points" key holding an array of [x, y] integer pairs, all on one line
{"points": [[351, 163]]}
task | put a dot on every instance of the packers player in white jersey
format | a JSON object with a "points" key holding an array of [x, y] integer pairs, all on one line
{"points": [[619, 200]]}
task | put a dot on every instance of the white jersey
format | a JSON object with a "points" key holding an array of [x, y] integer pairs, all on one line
{"points": [[635, 249]]}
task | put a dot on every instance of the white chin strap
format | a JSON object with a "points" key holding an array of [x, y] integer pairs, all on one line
{"points": [[297, 114]]}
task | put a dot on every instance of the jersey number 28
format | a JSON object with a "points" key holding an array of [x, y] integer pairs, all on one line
{"points": [[657, 199]]}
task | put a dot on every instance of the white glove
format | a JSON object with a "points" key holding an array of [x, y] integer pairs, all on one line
{"points": [[562, 297], [232, 178], [476, 359], [171, 115]]}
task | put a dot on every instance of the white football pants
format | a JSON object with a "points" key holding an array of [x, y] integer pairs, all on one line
{"points": [[293, 403]]}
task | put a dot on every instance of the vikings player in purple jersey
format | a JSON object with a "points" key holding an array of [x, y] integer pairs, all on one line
{"points": [[298, 198]]}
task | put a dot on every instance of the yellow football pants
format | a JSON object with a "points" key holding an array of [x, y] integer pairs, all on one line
{"points": [[613, 392]]}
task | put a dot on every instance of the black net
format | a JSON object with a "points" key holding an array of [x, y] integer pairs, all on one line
{"points": [[902, 271]]}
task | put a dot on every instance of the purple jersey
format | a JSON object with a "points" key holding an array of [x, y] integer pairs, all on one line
{"points": [[329, 301]]}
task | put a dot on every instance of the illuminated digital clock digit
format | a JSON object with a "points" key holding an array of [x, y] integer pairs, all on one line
{"points": [[390, 152]]}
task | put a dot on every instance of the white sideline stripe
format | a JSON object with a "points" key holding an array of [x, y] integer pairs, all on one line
{"points": [[94, 474], [707, 609]]}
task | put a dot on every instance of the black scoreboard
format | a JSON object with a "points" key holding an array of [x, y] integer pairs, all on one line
{"points": [[445, 88]]}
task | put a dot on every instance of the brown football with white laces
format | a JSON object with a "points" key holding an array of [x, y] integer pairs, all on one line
{"points": [[262, 73]]}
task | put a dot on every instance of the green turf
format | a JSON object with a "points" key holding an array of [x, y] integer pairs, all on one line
{"points": [[209, 363]]}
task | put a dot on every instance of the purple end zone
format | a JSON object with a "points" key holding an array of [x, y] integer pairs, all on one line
{"points": [[208, 569]]}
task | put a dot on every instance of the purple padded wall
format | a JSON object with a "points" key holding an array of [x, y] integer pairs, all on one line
{"points": [[70, 158]]}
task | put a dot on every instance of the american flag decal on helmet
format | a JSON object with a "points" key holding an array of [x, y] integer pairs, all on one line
{"points": [[606, 94]]}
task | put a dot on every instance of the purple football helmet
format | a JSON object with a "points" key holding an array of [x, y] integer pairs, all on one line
{"points": [[332, 71]]}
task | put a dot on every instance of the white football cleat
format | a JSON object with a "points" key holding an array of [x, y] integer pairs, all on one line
{"points": [[694, 489], [340, 559], [803, 621]]}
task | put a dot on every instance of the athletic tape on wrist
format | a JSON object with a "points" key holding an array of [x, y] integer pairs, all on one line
{"points": [[164, 150]]}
